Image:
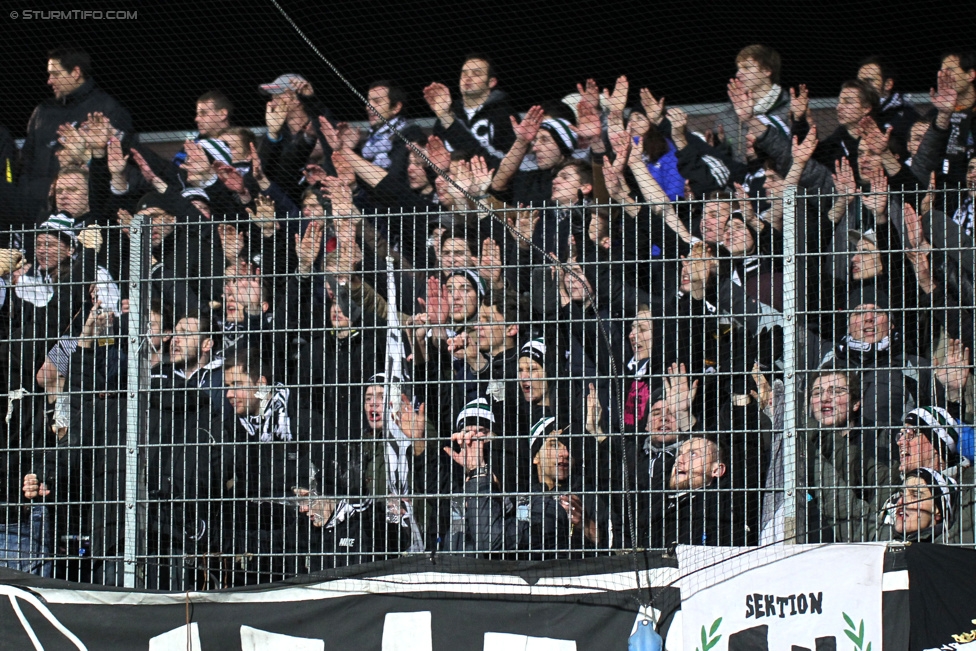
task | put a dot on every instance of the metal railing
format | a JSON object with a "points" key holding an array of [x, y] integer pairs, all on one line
{"points": [[200, 403]]}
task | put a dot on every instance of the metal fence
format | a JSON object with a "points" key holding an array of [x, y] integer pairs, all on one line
{"points": [[197, 403]]}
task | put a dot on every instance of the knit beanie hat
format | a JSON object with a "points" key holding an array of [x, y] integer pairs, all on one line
{"points": [[562, 133], [471, 276], [940, 428], [61, 226], [477, 412]]}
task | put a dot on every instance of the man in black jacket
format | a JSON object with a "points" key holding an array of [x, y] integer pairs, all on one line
{"points": [[75, 96], [894, 111], [699, 511], [293, 130], [280, 447], [478, 122]]}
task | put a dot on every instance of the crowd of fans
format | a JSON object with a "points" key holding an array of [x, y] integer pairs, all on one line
{"points": [[525, 335]]}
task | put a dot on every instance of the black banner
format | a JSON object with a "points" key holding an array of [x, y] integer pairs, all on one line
{"points": [[454, 603], [942, 597]]}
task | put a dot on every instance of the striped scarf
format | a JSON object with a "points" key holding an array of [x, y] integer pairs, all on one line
{"points": [[274, 421], [380, 142]]}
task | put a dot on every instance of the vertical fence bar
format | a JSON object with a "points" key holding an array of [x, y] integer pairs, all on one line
{"points": [[791, 300], [137, 375]]}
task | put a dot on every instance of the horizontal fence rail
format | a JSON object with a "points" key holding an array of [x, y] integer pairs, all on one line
{"points": [[195, 400]]}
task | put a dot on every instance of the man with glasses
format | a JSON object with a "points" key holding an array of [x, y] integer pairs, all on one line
{"points": [[929, 439], [846, 460]]}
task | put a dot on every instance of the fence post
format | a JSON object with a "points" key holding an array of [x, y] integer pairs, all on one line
{"points": [[136, 384], [791, 299]]}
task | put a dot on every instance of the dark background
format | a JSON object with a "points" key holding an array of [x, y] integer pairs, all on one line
{"points": [[159, 63]]}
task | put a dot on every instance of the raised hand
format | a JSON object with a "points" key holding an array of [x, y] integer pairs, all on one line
{"points": [[745, 206], [526, 130], [147, 172], [73, 143], [763, 393], [348, 135], [90, 237], [588, 126], [438, 154], [275, 114], [944, 95], [679, 120], [438, 98], [590, 94], [490, 263], [436, 302], [524, 223], [124, 218], [741, 98], [116, 159], [952, 370], [618, 99], [913, 227], [875, 140], [679, 393], [653, 107], [803, 151], [481, 176], [264, 216], [877, 199], [413, 422], [340, 194], [462, 177], [472, 454], [330, 133], [257, 170], [309, 245], [96, 131], [10, 260], [799, 102], [844, 182], [621, 143], [614, 182], [594, 411]]}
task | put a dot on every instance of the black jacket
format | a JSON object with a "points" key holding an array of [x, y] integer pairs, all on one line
{"points": [[699, 517], [487, 133], [39, 165]]}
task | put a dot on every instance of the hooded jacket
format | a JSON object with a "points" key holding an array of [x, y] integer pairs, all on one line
{"points": [[487, 133]]}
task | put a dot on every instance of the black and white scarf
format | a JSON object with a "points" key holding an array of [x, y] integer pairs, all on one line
{"points": [[274, 421], [892, 101], [380, 142], [964, 215]]}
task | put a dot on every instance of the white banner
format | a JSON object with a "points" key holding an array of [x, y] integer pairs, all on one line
{"points": [[781, 597]]}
